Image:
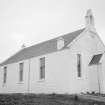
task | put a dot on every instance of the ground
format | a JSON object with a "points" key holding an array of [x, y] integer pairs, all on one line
{"points": [[42, 99]]}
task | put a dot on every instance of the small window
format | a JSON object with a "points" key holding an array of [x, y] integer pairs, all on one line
{"points": [[5, 75], [42, 68], [79, 65], [21, 67]]}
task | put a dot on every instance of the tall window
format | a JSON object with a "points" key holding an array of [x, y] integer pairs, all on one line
{"points": [[79, 65], [5, 75], [42, 68], [21, 67]]}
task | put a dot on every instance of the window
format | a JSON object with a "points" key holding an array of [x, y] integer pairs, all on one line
{"points": [[42, 68], [21, 67], [79, 65], [5, 75]]}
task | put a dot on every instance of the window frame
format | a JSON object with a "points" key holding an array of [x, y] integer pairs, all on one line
{"points": [[42, 68], [4, 74], [21, 72], [79, 65]]}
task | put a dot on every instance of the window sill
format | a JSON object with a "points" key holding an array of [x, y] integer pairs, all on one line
{"points": [[4, 85], [20, 83], [41, 80], [79, 78]]}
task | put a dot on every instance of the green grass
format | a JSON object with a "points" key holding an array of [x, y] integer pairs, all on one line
{"points": [[42, 99]]}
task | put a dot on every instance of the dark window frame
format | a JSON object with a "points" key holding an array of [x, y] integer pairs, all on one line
{"points": [[42, 68], [79, 69], [5, 75], [21, 70]]}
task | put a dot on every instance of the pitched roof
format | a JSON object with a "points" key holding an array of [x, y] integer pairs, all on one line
{"points": [[95, 59], [41, 48]]}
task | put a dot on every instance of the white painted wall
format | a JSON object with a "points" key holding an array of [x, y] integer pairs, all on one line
{"points": [[93, 75], [102, 74], [61, 70], [13, 85]]}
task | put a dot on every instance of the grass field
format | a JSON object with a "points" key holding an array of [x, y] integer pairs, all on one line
{"points": [[51, 99]]}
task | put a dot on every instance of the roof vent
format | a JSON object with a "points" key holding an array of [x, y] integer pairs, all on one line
{"points": [[60, 43]]}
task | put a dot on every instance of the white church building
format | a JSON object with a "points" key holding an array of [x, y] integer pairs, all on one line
{"points": [[72, 63]]}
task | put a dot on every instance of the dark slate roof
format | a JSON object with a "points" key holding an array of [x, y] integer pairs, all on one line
{"points": [[95, 59], [41, 48]]}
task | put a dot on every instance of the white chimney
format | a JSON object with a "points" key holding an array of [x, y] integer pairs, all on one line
{"points": [[60, 43]]}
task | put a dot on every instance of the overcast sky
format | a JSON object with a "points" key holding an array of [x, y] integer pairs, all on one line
{"points": [[34, 21]]}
